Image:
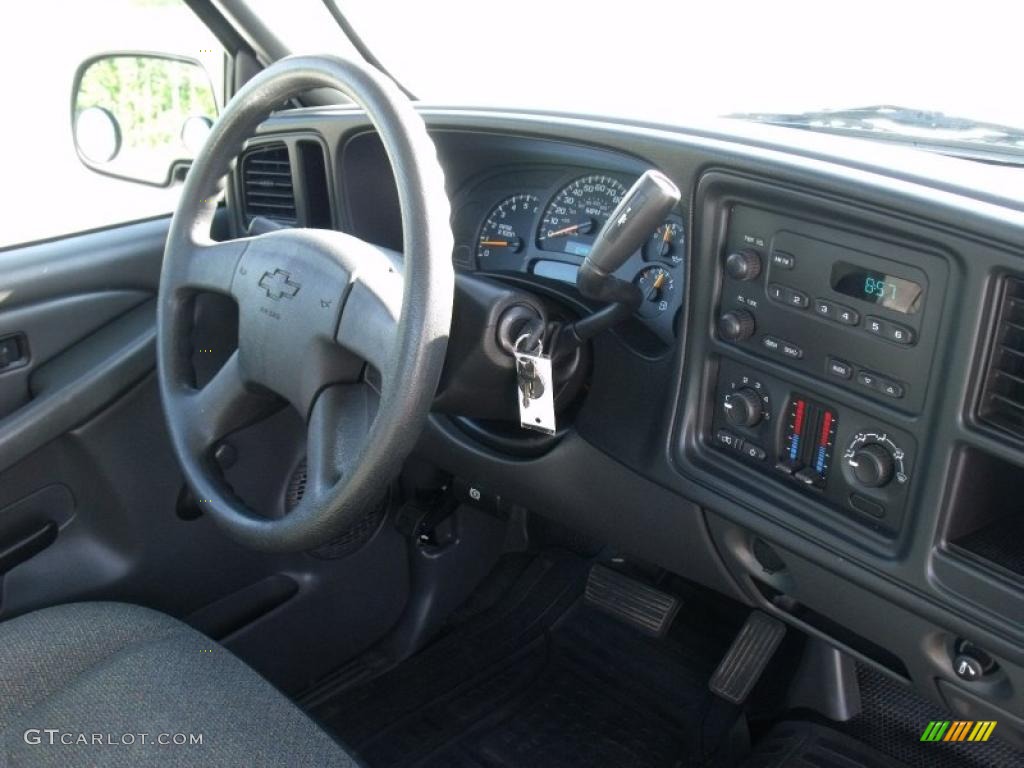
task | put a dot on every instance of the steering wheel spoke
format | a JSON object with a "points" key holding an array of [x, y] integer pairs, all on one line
{"points": [[337, 433], [369, 321], [211, 266], [226, 405]]}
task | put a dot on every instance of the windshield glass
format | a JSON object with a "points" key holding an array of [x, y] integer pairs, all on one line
{"points": [[672, 62]]}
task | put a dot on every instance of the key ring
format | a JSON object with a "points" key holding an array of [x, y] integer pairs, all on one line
{"points": [[537, 340]]}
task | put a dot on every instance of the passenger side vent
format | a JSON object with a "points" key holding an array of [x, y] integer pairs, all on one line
{"points": [[267, 184], [1002, 400]]}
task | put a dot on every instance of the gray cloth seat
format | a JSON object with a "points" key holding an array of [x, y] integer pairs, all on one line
{"points": [[103, 674]]}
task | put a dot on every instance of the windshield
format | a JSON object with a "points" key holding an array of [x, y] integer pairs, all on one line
{"points": [[675, 61]]}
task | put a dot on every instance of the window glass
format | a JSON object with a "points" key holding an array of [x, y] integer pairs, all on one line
{"points": [[47, 190]]}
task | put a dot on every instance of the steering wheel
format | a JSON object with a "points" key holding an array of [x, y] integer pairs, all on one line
{"points": [[352, 335]]}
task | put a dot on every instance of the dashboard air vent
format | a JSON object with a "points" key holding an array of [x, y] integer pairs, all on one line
{"points": [[267, 184], [1002, 400]]}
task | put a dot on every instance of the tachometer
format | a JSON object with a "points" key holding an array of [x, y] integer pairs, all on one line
{"points": [[506, 226], [577, 213]]}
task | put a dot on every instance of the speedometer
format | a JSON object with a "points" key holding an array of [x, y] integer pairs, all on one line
{"points": [[577, 213]]}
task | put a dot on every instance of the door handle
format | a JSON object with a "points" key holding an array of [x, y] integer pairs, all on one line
{"points": [[26, 543], [13, 351]]}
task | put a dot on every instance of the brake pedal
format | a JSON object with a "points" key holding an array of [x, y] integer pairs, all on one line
{"points": [[643, 607], [747, 657]]}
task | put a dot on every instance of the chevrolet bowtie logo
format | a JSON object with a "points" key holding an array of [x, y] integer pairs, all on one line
{"points": [[278, 284]]}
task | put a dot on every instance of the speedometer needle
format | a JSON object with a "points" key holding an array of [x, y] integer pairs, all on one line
{"points": [[583, 227]]}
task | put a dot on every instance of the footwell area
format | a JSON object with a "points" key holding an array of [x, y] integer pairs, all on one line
{"points": [[537, 679]]}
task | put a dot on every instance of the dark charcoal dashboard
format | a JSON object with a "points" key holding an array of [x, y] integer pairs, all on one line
{"points": [[819, 407]]}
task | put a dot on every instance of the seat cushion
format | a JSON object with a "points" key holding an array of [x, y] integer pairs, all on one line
{"points": [[107, 683]]}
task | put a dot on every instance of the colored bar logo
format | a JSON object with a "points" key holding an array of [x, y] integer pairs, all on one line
{"points": [[958, 730]]}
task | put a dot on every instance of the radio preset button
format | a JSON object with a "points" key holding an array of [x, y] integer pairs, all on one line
{"points": [[875, 326], [839, 368], [899, 334], [786, 295], [825, 308], [847, 316], [795, 298]]}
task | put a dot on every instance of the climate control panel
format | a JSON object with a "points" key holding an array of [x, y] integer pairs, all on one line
{"points": [[848, 459]]}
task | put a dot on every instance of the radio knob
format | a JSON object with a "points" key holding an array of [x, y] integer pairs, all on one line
{"points": [[744, 264], [743, 408], [736, 325], [872, 465]]}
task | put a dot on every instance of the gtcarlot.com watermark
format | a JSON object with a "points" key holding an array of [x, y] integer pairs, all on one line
{"points": [[56, 737]]}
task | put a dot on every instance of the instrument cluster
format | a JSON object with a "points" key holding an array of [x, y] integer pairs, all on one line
{"points": [[543, 222]]}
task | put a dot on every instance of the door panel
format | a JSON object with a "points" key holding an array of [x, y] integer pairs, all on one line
{"points": [[92, 502], [47, 328]]}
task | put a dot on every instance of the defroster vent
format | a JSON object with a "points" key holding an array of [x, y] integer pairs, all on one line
{"points": [[1002, 400], [267, 184]]}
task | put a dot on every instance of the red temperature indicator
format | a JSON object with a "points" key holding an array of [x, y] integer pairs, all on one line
{"points": [[809, 440]]}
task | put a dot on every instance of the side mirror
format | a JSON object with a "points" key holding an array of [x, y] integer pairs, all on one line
{"points": [[141, 116]]}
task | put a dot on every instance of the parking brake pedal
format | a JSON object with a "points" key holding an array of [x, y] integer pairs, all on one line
{"points": [[747, 657], [646, 608]]}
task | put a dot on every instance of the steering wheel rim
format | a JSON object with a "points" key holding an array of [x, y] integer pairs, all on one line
{"points": [[317, 310]]}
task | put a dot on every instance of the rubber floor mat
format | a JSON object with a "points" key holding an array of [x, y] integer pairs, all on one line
{"points": [[539, 680], [807, 745]]}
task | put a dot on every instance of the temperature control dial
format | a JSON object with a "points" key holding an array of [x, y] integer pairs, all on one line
{"points": [[873, 460], [872, 465]]}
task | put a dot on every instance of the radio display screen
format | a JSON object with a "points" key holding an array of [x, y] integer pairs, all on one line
{"points": [[889, 291]]}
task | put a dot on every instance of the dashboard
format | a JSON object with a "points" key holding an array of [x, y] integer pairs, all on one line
{"points": [[819, 409]]}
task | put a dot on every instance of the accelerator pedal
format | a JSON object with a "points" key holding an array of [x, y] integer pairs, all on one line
{"points": [[643, 607], [747, 657]]}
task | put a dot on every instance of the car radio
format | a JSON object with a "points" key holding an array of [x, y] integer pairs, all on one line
{"points": [[852, 310]]}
